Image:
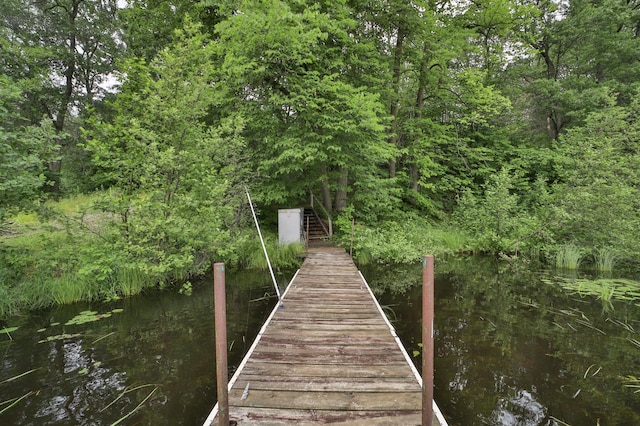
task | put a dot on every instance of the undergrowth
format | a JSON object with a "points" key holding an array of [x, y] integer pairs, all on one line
{"points": [[58, 260], [400, 241]]}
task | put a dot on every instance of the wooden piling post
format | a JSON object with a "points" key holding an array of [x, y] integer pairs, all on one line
{"points": [[427, 340], [222, 374]]}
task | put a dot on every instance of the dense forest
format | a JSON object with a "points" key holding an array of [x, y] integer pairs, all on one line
{"points": [[501, 126]]}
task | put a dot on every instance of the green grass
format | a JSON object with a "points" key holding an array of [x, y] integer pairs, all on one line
{"points": [[69, 288], [72, 205], [6, 305], [605, 260], [25, 219], [606, 292], [405, 240], [130, 280], [363, 257], [75, 204], [41, 259], [450, 239], [569, 257], [279, 256], [34, 293]]}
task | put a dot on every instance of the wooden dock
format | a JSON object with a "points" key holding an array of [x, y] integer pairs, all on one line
{"points": [[327, 354]]}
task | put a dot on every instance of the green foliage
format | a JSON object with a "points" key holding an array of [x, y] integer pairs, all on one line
{"points": [[251, 254], [23, 152], [513, 125], [311, 123], [130, 280], [149, 26], [497, 220], [598, 165], [7, 307], [398, 241], [61, 51], [605, 289], [166, 165]]}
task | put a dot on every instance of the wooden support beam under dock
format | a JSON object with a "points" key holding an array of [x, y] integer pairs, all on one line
{"points": [[327, 354]]}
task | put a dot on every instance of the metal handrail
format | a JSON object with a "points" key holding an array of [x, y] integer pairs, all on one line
{"points": [[330, 231]]}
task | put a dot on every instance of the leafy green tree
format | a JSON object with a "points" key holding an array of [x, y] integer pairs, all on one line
{"points": [[598, 194], [164, 162], [291, 69], [445, 115], [497, 219], [496, 25], [23, 152], [581, 50], [148, 26], [59, 52]]}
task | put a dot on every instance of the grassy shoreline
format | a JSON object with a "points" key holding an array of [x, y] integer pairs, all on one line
{"points": [[69, 254], [72, 254]]}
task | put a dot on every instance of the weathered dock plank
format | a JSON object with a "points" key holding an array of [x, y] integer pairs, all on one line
{"points": [[326, 355], [277, 417]]}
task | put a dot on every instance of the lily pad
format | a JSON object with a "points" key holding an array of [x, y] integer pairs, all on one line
{"points": [[87, 316], [59, 337], [117, 310], [8, 330]]}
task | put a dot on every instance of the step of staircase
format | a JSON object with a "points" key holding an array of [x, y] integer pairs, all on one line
{"points": [[316, 228]]}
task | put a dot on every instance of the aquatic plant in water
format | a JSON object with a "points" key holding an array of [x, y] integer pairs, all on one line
{"points": [[14, 401], [127, 390], [604, 289], [131, 280], [63, 336], [10, 379], [569, 256], [632, 382], [87, 316], [8, 331], [605, 259]]}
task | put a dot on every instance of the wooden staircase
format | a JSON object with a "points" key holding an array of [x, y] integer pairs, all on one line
{"points": [[317, 227]]}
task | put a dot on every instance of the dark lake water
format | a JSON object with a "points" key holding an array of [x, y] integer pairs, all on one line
{"points": [[510, 350], [162, 341]]}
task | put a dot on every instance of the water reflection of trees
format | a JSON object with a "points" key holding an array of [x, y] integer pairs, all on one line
{"points": [[512, 350], [162, 339]]}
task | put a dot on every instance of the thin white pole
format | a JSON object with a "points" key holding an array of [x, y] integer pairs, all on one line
{"points": [[273, 277]]}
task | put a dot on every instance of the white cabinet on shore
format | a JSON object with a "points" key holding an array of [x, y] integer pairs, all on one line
{"points": [[290, 226]]}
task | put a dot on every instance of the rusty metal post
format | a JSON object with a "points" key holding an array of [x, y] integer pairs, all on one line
{"points": [[427, 340], [353, 231], [306, 240], [222, 374]]}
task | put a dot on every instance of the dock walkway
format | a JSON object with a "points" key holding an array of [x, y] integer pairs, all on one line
{"points": [[326, 355]]}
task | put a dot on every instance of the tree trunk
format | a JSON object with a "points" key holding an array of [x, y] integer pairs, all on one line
{"points": [[326, 192], [395, 101], [341, 192], [69, 73], [53, 176], [414, 170], [553, 127], [414, 176]]}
